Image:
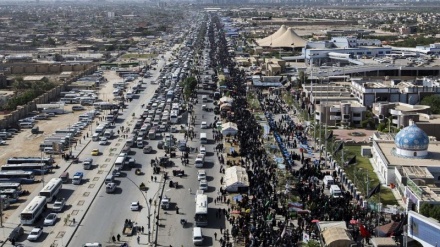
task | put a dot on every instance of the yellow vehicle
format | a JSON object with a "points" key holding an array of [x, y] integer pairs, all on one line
{"points": [[95, 152]]}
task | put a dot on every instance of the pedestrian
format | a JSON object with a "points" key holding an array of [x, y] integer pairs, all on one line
{"points": [[155, 179], [215, 236], [177, 210], [189, 191], [113, 238], [138, 239], [142, 228], [221, 230], [215, 201], [152, 178], [118, 237]]}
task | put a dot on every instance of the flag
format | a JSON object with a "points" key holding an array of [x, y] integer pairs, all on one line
{"points": [[373, 191], [330, 136], [352, 160], [284, 232], [306, 237], [364, 232], [339, 148]]}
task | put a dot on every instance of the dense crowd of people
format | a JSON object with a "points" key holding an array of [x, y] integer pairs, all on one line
{"points": [[263, 216]]}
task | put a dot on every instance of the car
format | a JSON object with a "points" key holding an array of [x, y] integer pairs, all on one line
{"points": [[134, 206], [203, 125], [116, 172], [95, 152], [203, 185], [59, 205], [2, 142], [16, 233], [103, 141], [160, 145], [35, 234], [203, 150], [147, 149], [201, 174], [50, 219]]}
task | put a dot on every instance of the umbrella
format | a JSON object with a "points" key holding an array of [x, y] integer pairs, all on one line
{"points": [[353, 222], [315, 221]]}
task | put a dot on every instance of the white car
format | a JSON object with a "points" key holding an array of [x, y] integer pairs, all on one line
{"points": [[201, 174], [50, 219], [2, 142], [203, 150], [134, 206], [35, 234], [103, 141], [59, 205]]}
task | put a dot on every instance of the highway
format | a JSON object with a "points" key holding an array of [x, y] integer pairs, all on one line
{"points": [[106, 216]]}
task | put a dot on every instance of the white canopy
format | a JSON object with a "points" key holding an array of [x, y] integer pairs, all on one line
{"points": [[229, 128], [287, 39], [235, 178], [273, 36], [226, 99]]}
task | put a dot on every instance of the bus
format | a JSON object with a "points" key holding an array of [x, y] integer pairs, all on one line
{"points": [[33, 210], [16, 186], [201, 216], [174, 116], [12, 194], [40, 168], [23, 177], [50, 191], [26, 160]]}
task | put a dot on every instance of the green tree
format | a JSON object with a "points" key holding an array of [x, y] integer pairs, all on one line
{"points": [[430, 210], [302, 78], [189, 85], [433, 101]]}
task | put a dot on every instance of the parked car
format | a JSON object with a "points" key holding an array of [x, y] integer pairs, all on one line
{"points": [[160, 145], [35, 234]]}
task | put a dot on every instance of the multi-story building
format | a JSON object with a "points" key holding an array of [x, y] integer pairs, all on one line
{"points": [[342, 113]]}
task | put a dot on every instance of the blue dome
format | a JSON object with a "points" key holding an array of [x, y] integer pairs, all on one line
{"points": [[412, 138]]}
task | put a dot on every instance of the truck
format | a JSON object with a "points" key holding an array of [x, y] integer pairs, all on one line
{"points": [[165, 202], [128, 229]]}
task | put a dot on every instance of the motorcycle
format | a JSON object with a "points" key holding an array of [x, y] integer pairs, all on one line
{"points": [[183, 222]]}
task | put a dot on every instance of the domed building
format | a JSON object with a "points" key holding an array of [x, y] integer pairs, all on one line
{"points": [[411, 142]]}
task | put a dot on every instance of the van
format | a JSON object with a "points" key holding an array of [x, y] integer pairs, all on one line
{"points": [[35, 130], [200, 160], [335, 191], [109, 179], [197, 236], [328, 180], [204, 98], [64, 177], [16, 233], [203, 138], [92, 245], [27, 125], [87, 164], [95, 137]]}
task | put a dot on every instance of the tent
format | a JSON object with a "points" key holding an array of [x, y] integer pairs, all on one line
{"points": [[336, 237], [287, 39], [387, 229], [226, 99], [229, 128], [225, 107], [236, 179], [273, 36]]}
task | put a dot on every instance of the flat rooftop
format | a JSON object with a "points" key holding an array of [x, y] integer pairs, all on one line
{"points": [[431, 161]]}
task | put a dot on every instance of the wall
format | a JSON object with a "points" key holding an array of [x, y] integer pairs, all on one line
{"points": [[18, 69], [11, 119]]}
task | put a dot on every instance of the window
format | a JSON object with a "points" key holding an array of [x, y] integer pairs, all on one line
{"points": [[356, 114], [380, 52], [356, 122], [415, 154]]}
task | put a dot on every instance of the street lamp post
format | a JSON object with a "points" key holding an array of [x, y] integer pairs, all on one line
{"points": [[148, 207]]}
